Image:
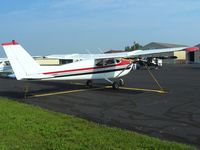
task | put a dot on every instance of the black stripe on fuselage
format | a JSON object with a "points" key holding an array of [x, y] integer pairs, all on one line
{"points": [[96, 72]]}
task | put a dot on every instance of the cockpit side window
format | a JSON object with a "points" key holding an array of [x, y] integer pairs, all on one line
{"points": [[109, 61]]}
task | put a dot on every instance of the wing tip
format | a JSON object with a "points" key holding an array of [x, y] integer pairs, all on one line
{"points": [[13, 42], [192, 49]]}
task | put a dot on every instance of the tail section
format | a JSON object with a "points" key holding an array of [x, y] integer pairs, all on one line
{"points": [[23, 65]]}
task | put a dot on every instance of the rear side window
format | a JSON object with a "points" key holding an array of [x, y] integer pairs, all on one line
{"points": [[99, 62]]}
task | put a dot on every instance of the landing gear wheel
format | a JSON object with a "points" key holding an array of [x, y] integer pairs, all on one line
{"points": [[121, 82], [115, 85], [89, 83]]}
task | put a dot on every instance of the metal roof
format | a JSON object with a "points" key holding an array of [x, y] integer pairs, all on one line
{"points": [[198, 45], [157, 45]]}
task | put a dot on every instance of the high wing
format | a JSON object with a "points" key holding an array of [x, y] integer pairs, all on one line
{"points": [[64, 56], [121, 54], [164, 50], [83, 56]]}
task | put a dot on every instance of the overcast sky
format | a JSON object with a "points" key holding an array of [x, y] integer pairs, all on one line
{"points": [[81, 26]]}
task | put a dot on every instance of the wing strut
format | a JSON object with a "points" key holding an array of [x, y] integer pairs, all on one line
{"points": [[154, 78]]}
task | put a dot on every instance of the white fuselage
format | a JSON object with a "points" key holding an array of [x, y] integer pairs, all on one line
{"points": [[87, 70]]}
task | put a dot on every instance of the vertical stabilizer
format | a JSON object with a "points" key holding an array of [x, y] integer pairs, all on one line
{"points": [[23, 65]]}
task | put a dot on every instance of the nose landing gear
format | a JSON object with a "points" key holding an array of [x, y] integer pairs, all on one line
{"points": [[121, 82]]}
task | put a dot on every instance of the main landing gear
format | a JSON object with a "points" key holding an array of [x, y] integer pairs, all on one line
{"points": [[115, 84]]}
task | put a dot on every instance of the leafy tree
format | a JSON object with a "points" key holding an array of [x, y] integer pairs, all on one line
{"points": [[127, 48], [135, 46]]}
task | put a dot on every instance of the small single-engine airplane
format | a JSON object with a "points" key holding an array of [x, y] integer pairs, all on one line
{"points": [[88, 67]]}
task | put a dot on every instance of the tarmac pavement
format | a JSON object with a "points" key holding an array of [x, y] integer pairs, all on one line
{"points": [[173, 116]]}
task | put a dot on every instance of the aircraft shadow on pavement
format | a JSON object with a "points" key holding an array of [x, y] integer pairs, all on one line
{"points": [[121, 91], [28, 89], [64, 86]]}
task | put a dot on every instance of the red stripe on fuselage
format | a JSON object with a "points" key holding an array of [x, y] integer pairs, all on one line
{"points": [[123, 62]]}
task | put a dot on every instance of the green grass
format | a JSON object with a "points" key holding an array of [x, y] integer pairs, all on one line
{"points": [[27, 127]]}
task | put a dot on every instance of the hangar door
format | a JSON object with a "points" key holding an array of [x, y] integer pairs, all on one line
{"points": [[191, 56]]}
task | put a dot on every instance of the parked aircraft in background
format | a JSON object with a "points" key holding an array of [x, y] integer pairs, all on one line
{"points": [[5, 65], [151, 62], [87, 67], [5, 68]]}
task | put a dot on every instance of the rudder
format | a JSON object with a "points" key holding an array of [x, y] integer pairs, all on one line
{"points": [[23, 64]]}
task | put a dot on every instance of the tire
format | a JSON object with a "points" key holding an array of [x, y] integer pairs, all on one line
{"points": [[121, 82], [89, 83], [115, 85]]}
